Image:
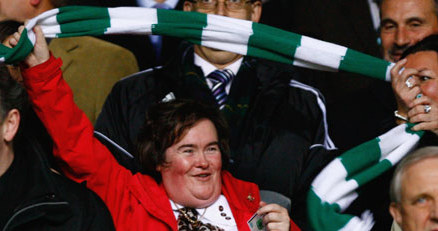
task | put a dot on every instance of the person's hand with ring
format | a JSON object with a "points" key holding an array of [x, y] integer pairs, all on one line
{"points": [[405, 86], [424, 112]]}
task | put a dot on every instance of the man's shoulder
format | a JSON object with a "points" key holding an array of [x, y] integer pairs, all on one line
{"points": [[280, 75], [77, 200], [73, 192], [87, 206], [274, 67], [306, 91], [141, 80], [141, 75], [87, 43], [284, 91], [144, 87]]}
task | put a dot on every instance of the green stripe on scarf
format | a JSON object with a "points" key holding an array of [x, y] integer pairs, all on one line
{"points": [[70, 19], [372, 172], [187, 25], [19, 52], [410, 131], [361, 63], [266, 38], [353, 165], [332, 218]]}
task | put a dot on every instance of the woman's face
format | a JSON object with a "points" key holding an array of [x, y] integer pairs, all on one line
{"points": [[426, 63], [192, 173]]}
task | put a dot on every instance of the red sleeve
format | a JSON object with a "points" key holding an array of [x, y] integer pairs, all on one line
{"points": [[293, 226], [83, 157]]}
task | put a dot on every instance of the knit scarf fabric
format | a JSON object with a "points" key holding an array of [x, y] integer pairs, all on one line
{"points": [[224, 33], [334, 189]]}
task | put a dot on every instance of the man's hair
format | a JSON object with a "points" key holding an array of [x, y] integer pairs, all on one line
{"points": [[413, 158], [167, 123], [379, 3], [12, 94], [430, 43]]}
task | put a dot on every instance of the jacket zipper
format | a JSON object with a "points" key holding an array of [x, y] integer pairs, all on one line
{"points": [[31, 207]]}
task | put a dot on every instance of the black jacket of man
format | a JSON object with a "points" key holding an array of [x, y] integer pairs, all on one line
{"points": [[33, 196]]}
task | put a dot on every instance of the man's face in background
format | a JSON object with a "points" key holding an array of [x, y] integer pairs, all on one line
{"points": [[404, 23]]}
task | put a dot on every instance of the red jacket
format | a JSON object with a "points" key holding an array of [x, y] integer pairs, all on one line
{"points": [[136, 202]]}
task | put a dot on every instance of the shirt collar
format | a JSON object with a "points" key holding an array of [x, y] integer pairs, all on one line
{"points": [[150, 3], [207, 67]]}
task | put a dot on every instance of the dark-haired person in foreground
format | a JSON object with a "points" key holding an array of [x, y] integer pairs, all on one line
{"points": [[415, 80], [183, 144], [32, 195]]}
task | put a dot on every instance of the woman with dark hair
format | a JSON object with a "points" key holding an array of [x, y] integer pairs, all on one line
{"points": [[183, 144], [415, 85]]}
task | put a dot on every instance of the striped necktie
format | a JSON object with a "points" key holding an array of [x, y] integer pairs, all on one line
{"points": [[220, 79]]}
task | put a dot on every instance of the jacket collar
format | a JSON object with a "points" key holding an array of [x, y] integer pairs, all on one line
{"points": [[246, 197], [154, 199]]}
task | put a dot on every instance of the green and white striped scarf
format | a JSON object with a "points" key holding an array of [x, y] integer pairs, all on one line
{"points": [[334, 189], [224, 33]]}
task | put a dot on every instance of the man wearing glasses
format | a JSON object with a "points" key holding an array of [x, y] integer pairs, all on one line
{"points": [[278, 137]]}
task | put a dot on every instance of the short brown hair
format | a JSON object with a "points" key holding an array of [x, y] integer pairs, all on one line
{"points": [[167, 123]]}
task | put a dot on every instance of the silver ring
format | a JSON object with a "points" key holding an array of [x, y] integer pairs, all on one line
{"points": [[427, 108], [408, 83]]}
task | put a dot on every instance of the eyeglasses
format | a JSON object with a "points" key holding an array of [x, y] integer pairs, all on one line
{"points": [[230, 5]]}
